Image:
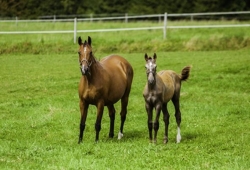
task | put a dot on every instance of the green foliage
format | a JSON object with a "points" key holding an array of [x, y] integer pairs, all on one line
{"points": [[39, 114], [30, 9]]}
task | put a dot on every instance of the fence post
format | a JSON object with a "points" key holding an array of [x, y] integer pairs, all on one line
{"points": [[126, 18], [75, 31], [165, 26], [91, 17], [16, 20]]}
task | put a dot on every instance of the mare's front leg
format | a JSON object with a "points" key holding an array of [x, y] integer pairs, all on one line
{"points": [[166, 121], [156, 122], [112, 120], [100, 108], [149, 110], [84, 111]]}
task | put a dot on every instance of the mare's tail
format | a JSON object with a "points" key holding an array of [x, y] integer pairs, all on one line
{"points": [[185, 73]]}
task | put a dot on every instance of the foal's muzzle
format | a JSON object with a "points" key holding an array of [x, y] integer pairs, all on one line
{"points": [[151, 78]]}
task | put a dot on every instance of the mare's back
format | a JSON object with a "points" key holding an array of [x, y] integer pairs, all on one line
{"points": [[117, 69], [114, 64]]}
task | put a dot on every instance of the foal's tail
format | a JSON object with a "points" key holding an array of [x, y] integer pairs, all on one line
{"points": [[185, 73]]}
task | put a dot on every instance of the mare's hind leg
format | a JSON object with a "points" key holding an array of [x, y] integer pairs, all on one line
{"points": [[175, 101], [166, 121], [124, 104], [84, 110], [112, 120]]}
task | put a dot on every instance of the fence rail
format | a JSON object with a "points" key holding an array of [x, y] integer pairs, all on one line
{"points": [[164, 27]]}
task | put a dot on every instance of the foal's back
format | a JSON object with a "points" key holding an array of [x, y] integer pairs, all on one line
{"points": [[171, 82]]}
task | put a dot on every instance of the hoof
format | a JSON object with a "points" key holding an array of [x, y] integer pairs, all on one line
{"points": [[120, 135], [80, 141], [153, 141], [111, 135], [165, 140], [178, 138]]}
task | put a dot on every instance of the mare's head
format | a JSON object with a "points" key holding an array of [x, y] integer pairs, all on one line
{"points": [[150, 68], [86, 57]]}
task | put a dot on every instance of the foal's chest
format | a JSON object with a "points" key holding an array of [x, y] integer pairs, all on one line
{"points": [[151, 97]]}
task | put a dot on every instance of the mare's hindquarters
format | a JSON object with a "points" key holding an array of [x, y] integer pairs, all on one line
{"points": [[124, 100]]}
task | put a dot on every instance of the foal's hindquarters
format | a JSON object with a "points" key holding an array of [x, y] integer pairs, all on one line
{"points": [[167, 87]]}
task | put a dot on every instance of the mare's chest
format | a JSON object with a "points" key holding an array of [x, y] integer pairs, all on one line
{"points": [[92, 92]]}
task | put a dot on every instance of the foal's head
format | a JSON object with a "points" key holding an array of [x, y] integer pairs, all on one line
{"points": [[85, 56], [150, 68]]}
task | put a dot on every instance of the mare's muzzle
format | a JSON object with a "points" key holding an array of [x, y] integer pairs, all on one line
{"points": [[84, 69]]}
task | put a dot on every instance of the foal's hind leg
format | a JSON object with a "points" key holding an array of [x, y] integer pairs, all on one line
{"points": [[175, 101], [112, 120], [166, 121]]}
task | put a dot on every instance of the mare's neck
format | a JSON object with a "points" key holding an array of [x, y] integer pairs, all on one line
{"points": [[94, 71]]}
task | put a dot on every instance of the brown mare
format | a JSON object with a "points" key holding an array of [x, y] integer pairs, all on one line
{"points": [[160, 89], [103, 83]]}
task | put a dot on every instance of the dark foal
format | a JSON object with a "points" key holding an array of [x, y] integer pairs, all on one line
{"points": [[160, 89]]}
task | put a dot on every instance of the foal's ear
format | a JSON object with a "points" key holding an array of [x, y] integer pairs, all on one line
{"points": [[146, 56], [79, 40], [155, 56], [89, 40]]}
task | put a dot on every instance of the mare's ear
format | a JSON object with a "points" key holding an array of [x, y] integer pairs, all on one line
{"points": [[155, 56], [146, 56], [89, 40], [79, 40]]}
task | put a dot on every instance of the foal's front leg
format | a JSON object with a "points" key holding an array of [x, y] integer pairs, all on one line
{"points": [[149, 110], [156, 123]]}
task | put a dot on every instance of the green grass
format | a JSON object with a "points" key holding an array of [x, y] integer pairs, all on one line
{"points": [[39, 114], [203, 39]]}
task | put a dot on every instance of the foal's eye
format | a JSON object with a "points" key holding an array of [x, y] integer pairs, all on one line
{"points": [[79, 52]]}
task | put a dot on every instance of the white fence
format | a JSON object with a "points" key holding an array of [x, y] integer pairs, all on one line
{"points": [[164, 27]]}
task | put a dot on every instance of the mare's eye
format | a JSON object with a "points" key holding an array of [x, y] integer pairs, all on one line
{"points": [[79, 52]]}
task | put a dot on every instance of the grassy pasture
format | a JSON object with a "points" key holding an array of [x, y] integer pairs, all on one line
{"points": [[39, 115], [125, 41]]}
